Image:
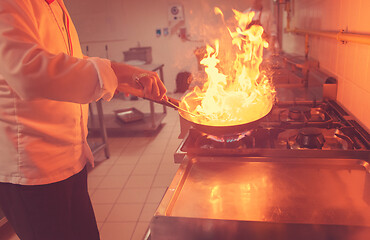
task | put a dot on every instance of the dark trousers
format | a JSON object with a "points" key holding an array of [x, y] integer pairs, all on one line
{"points": [[56, 211]]}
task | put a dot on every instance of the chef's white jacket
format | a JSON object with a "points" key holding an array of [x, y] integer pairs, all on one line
{"points": [[44, 93]]}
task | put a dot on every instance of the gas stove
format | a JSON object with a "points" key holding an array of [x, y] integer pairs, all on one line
{"points": [[302, 173], [291, 129]]}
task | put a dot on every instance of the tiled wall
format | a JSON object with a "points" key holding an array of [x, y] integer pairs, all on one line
{"points": [[349, 62], [122, 24]]}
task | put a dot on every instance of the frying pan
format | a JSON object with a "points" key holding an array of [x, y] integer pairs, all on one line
{"points": [[185, 115]]}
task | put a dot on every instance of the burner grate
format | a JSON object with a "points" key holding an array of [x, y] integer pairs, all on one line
{"points": [[315, 138], [310, 130]]}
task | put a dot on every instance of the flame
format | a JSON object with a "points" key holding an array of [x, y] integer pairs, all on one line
{"points": [[235, 95], [228, 138]]}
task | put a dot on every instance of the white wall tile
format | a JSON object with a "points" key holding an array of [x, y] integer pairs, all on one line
{"points": [[366, 113], [364, 72], [349, 61], [340, 89], [341, 61], [348, 94], [358, 99], [364, 16], [344, 14], [355, 20]]}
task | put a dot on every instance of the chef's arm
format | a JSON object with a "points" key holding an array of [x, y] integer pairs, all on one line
{"points": [[32, 72]]}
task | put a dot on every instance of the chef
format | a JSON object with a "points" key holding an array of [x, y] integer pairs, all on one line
{"points": [[45, 86]]}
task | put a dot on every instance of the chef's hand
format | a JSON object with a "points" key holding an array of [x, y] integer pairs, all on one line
{"points": [[150, 83], [147, 82]]}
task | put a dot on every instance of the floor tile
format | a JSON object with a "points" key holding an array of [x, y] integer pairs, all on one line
{"points": [[151, 158], [105, 196], [144, 181], [100, 225], [145, 169], [106, 162], [167, 168], [119, 142], [133, 195], [140, 142], [157, 148], [162, 180], [168, 157], [128, 159], [173, 144], [114, 181], [93, 181], [123, 212], [99, 157], [148, 212], [102, 211], [100, 170], [117, 230], [120, 169], [134, 150], [140, 231], [155, 194]]}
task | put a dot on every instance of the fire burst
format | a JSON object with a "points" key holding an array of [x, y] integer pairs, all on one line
{"points": [[239, 96]]}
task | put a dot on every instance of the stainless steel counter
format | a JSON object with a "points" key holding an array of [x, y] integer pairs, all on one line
{"points": [[265, 198]]}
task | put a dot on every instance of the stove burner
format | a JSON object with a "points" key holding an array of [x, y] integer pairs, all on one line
{"points": [[321, 131], [299, 113], [229, 138], [311, 138], [235, 141], [205, 142]]}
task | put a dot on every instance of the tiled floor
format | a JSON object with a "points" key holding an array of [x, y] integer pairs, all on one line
{"points": [[127, 188]]}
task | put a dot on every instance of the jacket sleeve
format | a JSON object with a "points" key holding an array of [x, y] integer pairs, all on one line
{"points": [[33, 72]]}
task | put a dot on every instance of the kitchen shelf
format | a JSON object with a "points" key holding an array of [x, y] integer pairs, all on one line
{"points": [[150, 123], [114, 127]]}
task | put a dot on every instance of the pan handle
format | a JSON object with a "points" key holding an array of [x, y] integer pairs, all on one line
{"points": [[171, 102]]}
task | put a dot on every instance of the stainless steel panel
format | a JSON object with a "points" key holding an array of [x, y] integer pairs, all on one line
{"points": [[264, 198]]}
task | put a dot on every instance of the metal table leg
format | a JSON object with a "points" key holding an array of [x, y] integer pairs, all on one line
{"points": [[103, 131]]}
